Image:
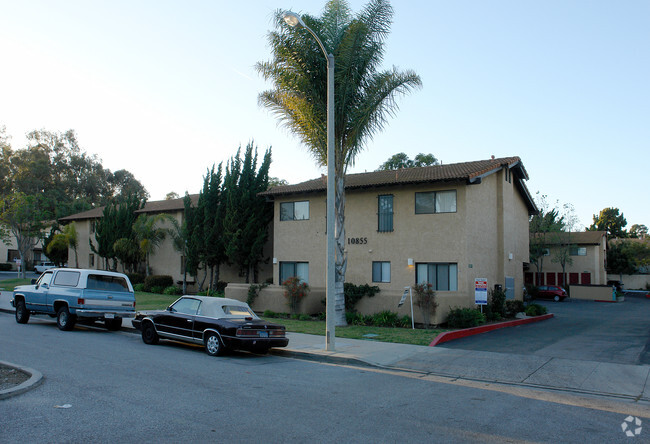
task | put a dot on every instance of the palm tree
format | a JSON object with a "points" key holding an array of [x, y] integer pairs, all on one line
{"points": [[70, 232], [148, 234], [364, 96]]}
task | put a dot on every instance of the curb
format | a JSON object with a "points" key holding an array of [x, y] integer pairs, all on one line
{"points": [[457, 334], [36, 379]]}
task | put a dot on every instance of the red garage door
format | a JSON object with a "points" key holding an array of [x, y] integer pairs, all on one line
{"points": [[585, 278]]}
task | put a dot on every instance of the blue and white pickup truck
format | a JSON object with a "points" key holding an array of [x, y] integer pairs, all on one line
{"points": [[70, 294]]}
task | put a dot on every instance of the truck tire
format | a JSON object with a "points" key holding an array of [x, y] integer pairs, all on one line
{"points": [[22, 314], [64, 320]]}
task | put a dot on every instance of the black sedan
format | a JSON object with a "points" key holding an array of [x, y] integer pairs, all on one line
{"points": [[219, 324]]}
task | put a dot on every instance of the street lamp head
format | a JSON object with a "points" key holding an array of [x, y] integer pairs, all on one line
{"points": [[292, 19]]}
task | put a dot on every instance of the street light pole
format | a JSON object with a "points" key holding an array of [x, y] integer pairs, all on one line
{"points": [[293, 20]]}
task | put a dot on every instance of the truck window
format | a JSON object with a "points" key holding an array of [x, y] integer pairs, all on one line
{"points": [[107, 283], [67, 278]]}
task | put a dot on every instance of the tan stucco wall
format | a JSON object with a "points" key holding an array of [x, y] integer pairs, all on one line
{"points": [[272, 298], [591, 292], [489, 226], [632, 282]]}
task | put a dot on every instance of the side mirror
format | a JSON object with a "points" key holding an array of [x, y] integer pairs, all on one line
{"points": [[170, 309]]}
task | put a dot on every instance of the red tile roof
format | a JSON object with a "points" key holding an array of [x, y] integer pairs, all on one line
{"points": [[454, 172], [156, 206]]}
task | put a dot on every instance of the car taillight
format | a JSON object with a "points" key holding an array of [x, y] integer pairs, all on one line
{"points": [[133, 304], [247, 333], [276, 333], [81, 301]]}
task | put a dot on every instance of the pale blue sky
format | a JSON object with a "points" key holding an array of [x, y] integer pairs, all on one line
{"points": [[166, 88]]}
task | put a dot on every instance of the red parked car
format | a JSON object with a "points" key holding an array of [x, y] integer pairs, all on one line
{"points": [[551, 292]]}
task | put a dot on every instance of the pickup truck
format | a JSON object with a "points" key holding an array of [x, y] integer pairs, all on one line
{"points": [[76, 294]]}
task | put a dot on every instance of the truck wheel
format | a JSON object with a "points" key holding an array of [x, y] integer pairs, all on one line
{"points": [[113, 324], [149, 335], [64, 320], [22, 314]]}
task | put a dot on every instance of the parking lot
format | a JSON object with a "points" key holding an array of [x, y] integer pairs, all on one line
{"points": [[583, 330]]}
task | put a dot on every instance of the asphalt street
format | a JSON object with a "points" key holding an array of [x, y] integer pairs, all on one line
{"points": [[105, 386]]}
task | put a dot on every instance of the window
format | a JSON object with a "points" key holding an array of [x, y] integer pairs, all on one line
{"points": [[12, 255], [381, 271], [67, 278], [294, 210], [435, 202], [443, 276], [578, 251], [186, 306], [297, 269], [106, 283], [91, 260], [92, 226], [385, 213], [45, 279]]}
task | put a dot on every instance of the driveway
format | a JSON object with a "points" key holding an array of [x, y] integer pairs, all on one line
{"points": [[583, 330]]}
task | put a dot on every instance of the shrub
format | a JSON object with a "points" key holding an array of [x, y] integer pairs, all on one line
{"points": [[535, 310], [532, 291], [425, 298], [254, 291], [139, 287], [385, 319], [354, 293], [496, 304], [301, 317], [160, 281], [513, 307], [5, 267], [172, 291], [405, 322], [158, 289], [465, 318], [269, 314], [213, 293], [135, 278], [295, 291]]}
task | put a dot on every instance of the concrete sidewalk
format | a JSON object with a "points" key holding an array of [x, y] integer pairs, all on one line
{"points": [[620, 381]]}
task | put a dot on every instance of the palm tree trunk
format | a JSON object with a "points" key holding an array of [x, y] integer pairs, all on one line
{"points": [[341, 259]]}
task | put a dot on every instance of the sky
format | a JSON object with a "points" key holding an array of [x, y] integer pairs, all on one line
{"points": [[166, 89]]}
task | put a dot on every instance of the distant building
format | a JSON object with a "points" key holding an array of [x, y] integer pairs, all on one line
{"points": [[588, 253]]}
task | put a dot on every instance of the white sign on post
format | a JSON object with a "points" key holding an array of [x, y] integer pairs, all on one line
{"points": [[480, 291], [408, 292]]}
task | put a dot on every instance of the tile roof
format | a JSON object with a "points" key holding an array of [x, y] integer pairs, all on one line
{"points": [[454, 172], [156, 206], [579, 238]]}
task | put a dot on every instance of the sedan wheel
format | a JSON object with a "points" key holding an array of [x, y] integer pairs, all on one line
{"points": [[149, 335], [22, 314], [213, 345], [556, 298], [64, 320]]}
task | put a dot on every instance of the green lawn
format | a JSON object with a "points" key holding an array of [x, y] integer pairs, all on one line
{"points": [[152, 301], [383, 334], [9, 284]]}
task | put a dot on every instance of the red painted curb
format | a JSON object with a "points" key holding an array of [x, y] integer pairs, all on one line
{"points": [[456, 334]]}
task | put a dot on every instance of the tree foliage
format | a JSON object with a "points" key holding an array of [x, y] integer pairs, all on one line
{"points": [[149, 234], [22, 216], [246, 215], [610, 221], [401, 160], [638, 231], [364, 95], [69, 180], [116, 223]]}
